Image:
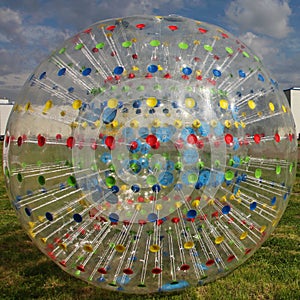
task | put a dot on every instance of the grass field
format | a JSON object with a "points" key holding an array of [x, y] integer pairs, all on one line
{"points": [[273, 272]]}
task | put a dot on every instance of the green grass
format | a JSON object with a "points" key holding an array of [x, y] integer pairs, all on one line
{"points": [[273, 272]]}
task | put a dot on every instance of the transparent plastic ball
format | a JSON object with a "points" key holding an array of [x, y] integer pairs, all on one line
{"points": [[150, 154]]}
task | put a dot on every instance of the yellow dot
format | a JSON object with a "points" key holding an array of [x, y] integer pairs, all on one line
{"points": [[271, 106], [198, 72], [62, 113], [158, 207], [190, 102], [124, 187], [31, 225], [251, 104], [213, 123], [223, 199], [227, 124], [114, 124], [44, 240], [154, 248], [243, 124], [196, 203], [138, 207], [41, 218], [151, 101], [112, 103], [134, 124], [260, 113], [31, 233], [178, 204], [63, 246], [97, 123], [232, 197], [243, 235], [178, 123], [88, 248], [243, 114], [134, 68], [77, 104], [196, 123], [211, 202], [262, 228], [219, 240], [120, 248], [188, 245], [196, 42], [156, 123], [236, 124], [160, 68], [223, 104], [283, 108], [27, 106]]}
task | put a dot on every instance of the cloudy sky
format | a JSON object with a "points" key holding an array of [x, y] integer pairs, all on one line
{"points": [[31, 29]]}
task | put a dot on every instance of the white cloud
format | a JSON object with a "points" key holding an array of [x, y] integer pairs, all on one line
{"points": [[269, 17]]}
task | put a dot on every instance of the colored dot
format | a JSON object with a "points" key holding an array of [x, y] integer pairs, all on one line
{"points": [[77, 104], [192, 178], [151, 101], [229, 175], [228, 139], [243, 235], [154, 248], [152, 68], [188, 245], [258, 173], [251, 104], [191, 214], [86, 72], [77, 218], [151, 180], [71, 181], [152, 217], [190, 102], [253, 205], [100, 45], [41, 180], [223, 104], [120, 248], [208, 48], [126, 44], [155, 43], [219, 240], [217, 73], [110, 181], [113, 217], [226, 209], [118, 70], [183, 45], [187, 71], [112, 103], [229, 50], [271, 106]]}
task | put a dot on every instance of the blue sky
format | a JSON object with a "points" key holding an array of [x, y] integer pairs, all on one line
{"points": [[31, 29]]}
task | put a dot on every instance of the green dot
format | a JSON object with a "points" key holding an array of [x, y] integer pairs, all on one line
{"points": [[178, 166], [183, 45], [62, 50], [127, 44], [217, 163], [77, 272], [247, 159], [157, 166], [94, 167], [291, 167], [71, 181], [78, 46], [208, 48], [41, 180], [126, 89], [157, 87], [7, 172], [100, 45], [192, 178], [112, 168], [151, 180], [113, 88], [278, 170], [110, 181], [256, 58], [166, 155], [112, 245], [155, 43], [229, 175], [257, 173], [140, 88], [200, 164], [135, 156], [246, 54], [229, 50], [231, 162]]}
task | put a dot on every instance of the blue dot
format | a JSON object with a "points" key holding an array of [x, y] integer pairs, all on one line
{"points": [[242, 74], [113, 217], [156, 188], [86, 71], [61, 72], [115, 189], [165, 178], [273, 200], [71, 89], [43, 75], [49, 216], [152, 217], [253, 205], [226, 209], [191, 214], [28, 211], [187, 71], [261, 78], [118, 70], [77, 218], [217, 73], [136, 103], [135, 188], [152, 68]]}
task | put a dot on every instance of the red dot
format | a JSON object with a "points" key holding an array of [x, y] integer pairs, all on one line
{"points": [[225, 36], [151, 140], [167, 76], [210, 262], [111, 28], [173, 27], [80, 268], [202, 30], [277, 137], [131, 76], [200, 144], [192, 139], [95, 50], [41, 140], [110, 142], [156, 271], [70, 142], [142, 222], [134, 56], [175, 220], [89, 30], [63, 263], [184, 267], [20, 141], [58, 136], [230, 258], [291, 136], [128, 271], [140, 26], [148, 75], [228, 139], [102, 271], [256, 138], [133, 145], [159, 222]]}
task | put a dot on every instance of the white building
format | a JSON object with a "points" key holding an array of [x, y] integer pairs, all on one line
{"points": [[293, 96], [5, 110]]}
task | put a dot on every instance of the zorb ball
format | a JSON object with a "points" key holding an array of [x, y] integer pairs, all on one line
{"points": [[150, 154]]}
